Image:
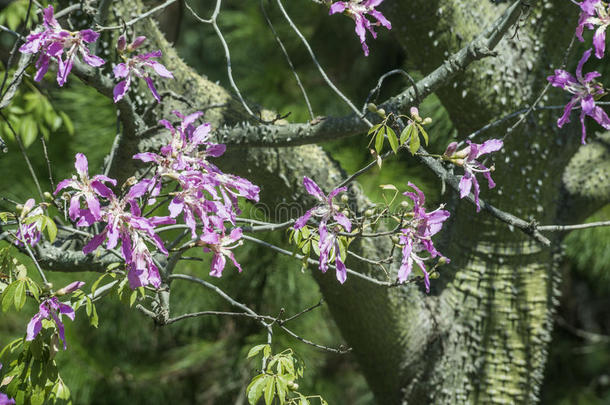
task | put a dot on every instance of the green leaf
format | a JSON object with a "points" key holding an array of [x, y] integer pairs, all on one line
{"points": [[423, 133], [19, 299], [33, 289], [406, 133], [269, 390], [255, 388], [51, 229], [267, 351], [255, 350], [4, 216], [392, 139], [37, 397], [379, 140], [28, 131], [67, 122], [93, 319], [414, 143], [61, 390], [133, 297], [8, 296], [281, 385], [374, 128], [288, 365]]}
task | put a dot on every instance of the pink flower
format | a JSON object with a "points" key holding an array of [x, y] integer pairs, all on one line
{"points": [[136, 66], [89, 189], [64, 46], [28, 233], [328, 242], [50, 308], [585, 89], [594, 13], [357, 10], [467, 159], [221, 246], [416, 238], [132, 230]]}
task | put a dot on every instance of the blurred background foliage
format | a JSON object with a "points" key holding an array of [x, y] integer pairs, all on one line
{"points": [[202, 360]]}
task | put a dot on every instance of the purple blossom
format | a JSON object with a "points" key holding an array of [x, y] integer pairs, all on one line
{"points": [[53, 42], [357, 10], [206, 193], [221, 246], [50, 308], [467, 159], [328, 242], [4, 399], [594, 13], [136, 66], [28, 233], [207, 198], [416, 238], [132, 230], [585, 89], [89, 189]]}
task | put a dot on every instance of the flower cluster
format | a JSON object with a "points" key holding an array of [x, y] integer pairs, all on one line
{"points": [[467, 158], [416, 238], [328, 243], [28, 233], [51, 308], [594, 13], [205, 193], [357, 10], [136, 66], [53, 42], [127, 225], [584, 89]]}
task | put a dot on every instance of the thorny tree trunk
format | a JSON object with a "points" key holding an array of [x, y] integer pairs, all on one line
{"points": [[481, 336]]}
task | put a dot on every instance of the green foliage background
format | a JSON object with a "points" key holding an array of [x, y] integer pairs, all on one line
{"points": [[202, 360]]}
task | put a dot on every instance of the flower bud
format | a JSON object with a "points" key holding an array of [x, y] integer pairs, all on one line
{"points": [[48, 196], [371, 107], [451, 148], [344, 198], [395, 239], [415, 114], [404, 204], [292, 386], [442, 260], [120, 43], [434, 275], [381, 112], [70, 288], [427, 121], [368, 213], [136, 43]]}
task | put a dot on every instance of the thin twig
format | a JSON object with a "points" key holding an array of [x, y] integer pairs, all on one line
{"points": [[285, 52], [559, 228], [138, 18], [320, 69]]}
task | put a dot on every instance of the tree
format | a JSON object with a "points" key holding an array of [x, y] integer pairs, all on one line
{"points": [[482, 333]]}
